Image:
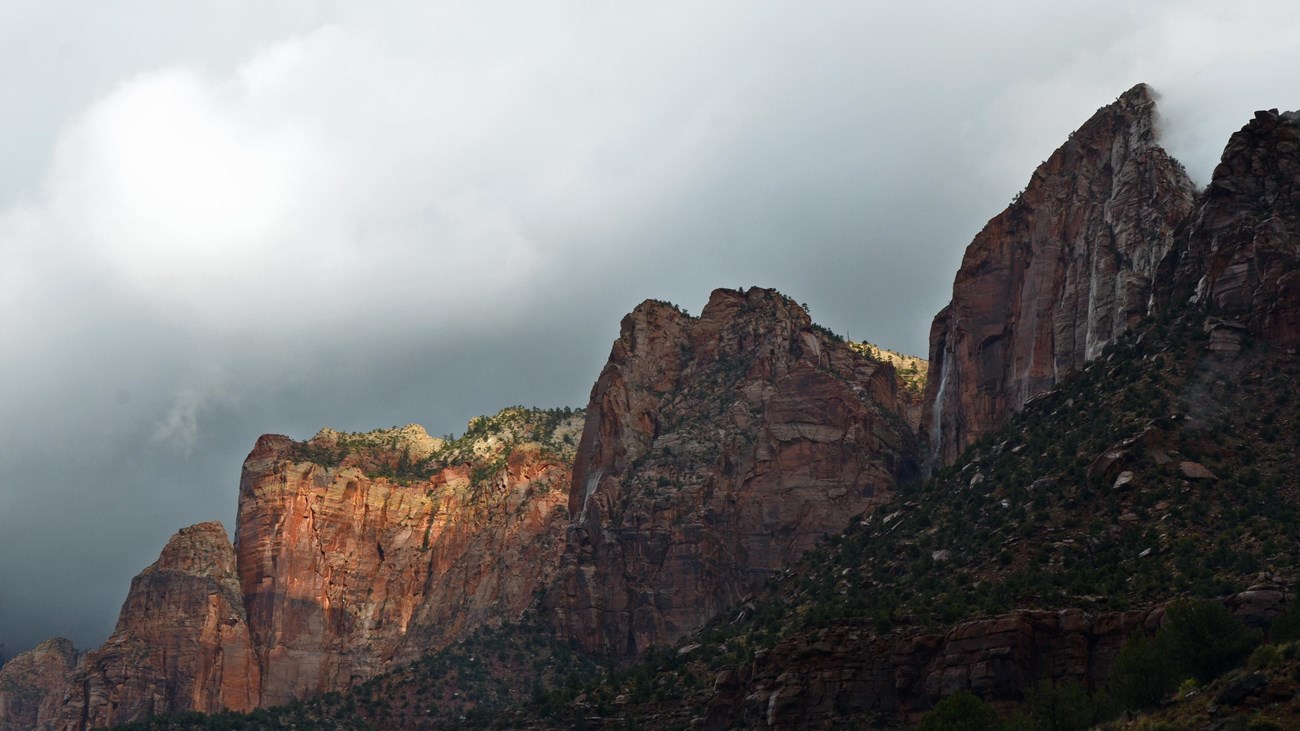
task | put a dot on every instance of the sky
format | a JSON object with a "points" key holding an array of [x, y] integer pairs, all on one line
{"points": [[225, 218]]}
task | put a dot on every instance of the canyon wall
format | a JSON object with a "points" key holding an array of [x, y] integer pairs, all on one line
{"points": [[345, 574], [1057, 276]]}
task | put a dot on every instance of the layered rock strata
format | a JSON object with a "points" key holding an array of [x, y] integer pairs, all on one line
{"points": [[1058, 275], [717, 450]]}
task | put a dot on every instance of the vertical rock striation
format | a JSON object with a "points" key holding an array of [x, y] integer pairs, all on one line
{"points": [[181, 643], [716, 451], [1054, 278]]}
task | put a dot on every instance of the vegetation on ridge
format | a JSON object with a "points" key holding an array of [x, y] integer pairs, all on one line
{"points": [[408, 454], [912, 370]]}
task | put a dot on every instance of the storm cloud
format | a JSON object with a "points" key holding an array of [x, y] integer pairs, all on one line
{"points": [[223, 219]]}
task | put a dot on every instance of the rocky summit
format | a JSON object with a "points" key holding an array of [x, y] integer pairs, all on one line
{"points": [[26, 680], [1054, 278], [181, 643], [716, 451]]}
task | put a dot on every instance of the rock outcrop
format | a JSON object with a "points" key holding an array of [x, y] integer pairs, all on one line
{"points": [[851, 672], [181, 643], [716, 451], [29, 679], [1058, 275], [345, 572], [1241, 256], [354, 552]]}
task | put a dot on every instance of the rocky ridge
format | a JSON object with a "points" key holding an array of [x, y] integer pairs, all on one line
{"points": [[1147, 477]]}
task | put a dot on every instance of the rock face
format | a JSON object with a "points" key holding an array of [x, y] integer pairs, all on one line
{"points": [[850, 672], [181, 643], [1057, 276], [345, 573], [716, 451], [28, 679], [1241, 258]]}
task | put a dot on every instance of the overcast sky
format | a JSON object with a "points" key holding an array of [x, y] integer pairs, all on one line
{"points": [[220, 219]]}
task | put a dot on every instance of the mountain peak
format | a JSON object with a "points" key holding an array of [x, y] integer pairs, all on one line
{"points": [[1058, 275], [1140, 94]]}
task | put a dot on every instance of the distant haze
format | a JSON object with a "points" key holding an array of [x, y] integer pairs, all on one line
{"points": [[219, 219]]}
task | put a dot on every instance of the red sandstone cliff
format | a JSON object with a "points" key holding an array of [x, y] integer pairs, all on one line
{"points": [[344, 573], [717, 450], [1057, 276], [181, 643]]}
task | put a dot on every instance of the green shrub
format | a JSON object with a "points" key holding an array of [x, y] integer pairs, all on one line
{"points": [[1065, 706], [1263, 723], [1203, 639], [962, 712], [1264, 656], [1142, 675], [1286, 628]]}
